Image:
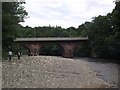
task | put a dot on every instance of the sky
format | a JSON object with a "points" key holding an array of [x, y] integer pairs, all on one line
{"points": [[64, 13]]}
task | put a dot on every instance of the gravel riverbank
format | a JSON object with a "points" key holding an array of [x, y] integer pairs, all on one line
{"points": [[53, 72]]}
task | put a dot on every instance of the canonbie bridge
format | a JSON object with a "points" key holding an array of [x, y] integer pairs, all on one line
{"points": [[68, 44]]}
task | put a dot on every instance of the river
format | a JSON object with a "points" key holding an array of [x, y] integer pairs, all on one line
{"points": [[104, 68]]}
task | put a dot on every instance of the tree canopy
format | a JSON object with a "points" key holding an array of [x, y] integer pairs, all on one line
{"points": [[12, 14]]}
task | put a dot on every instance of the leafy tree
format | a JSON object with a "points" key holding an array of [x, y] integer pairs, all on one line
{"points": [[116, 31], [72, 31], [99, 29], [82, 30], [12, 14], [104, 34]]}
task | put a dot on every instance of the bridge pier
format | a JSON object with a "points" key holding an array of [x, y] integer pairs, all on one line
{"points": [[68, 49]]}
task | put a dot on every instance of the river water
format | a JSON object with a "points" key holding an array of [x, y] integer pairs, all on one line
{"points": [[104, 69]]}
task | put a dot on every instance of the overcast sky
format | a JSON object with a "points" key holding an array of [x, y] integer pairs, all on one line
{"points": [[65, 13]]}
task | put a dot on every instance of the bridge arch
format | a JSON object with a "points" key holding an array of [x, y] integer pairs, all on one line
{"points": [[23, 49], [68, 44], [53, 49]]}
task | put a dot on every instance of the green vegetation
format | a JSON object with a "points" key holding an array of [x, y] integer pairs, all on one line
{"points": [[12, 14], [103, 32]]}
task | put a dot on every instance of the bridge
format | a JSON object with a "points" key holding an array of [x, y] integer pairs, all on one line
{"points": [[68, 44]]}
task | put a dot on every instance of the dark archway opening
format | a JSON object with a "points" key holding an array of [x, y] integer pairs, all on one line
{"points": [[82, 50], [24, 50], [52, 49]]}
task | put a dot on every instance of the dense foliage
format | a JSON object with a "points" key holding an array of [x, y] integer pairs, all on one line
{"points": [[103, 32], [12, 14]]}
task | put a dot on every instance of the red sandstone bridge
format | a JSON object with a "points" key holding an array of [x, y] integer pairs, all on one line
{"points": [[67, 43]]}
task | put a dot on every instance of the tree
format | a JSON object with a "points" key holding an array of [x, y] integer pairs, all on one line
{"points": [[12, 14], [116, 30], [104, 34], [82, 30], [99, 29], [72, 31]]}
